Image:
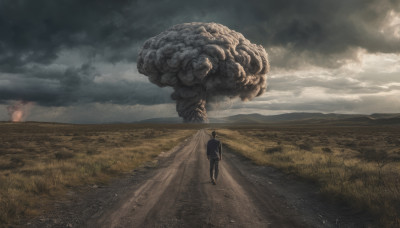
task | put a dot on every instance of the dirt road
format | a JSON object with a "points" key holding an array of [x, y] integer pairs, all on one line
{"points": [[181, 195], [178, 193]]}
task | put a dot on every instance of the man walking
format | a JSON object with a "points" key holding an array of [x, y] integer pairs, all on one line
{"points": [[214, 155]]}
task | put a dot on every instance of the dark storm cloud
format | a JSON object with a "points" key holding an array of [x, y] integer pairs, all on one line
{"points": [[34, 31], [298, 32], [77, 85]]}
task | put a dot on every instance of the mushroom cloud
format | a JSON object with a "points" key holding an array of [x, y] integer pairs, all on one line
{"points": [[202, 61]]}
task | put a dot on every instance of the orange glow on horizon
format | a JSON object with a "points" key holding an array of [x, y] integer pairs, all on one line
{"points": [[19, 111]]}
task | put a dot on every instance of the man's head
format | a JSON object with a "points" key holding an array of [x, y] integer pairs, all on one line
{"points": [[214, 134]]}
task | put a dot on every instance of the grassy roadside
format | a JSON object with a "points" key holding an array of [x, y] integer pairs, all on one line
{"points": [[40, 163], [356, 166]]}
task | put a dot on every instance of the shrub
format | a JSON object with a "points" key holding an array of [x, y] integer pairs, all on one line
{"points": [[305, 147], [350, 144], [327, 150], [40, 186], [365, 143], [62, 155], [93, 151], [13, 164], [273, 150], [380, 157], [148, 134]]}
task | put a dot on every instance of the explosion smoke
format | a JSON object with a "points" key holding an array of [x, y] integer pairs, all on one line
{"points": [[201, 61], [19, 111]]}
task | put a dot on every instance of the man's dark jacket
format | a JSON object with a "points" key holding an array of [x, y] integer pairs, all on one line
{"points": [[214, 147]]}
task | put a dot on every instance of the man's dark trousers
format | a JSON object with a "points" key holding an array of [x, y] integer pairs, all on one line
{"points": [[214, 165]]}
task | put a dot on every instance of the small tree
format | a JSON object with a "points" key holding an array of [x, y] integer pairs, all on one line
{"points": [[379, 157]]}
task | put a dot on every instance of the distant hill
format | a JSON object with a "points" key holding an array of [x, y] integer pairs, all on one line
{"points": [[162, 120], [288, 117], [385, 115], [388, 121], [297, 118], [317, 118], [175, 120]]}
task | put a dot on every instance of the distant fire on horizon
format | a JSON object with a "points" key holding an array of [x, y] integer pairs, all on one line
{"points": [[19, 111]]}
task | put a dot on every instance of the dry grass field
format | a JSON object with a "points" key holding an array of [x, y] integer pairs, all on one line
{"points": [[359, 166], [42, 162]]}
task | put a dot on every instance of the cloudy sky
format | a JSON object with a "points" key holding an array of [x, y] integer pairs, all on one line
{"points": [[75, 61]]}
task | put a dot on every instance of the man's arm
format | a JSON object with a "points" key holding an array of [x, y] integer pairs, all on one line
{"points": [[220, 151], [208, 153]]}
